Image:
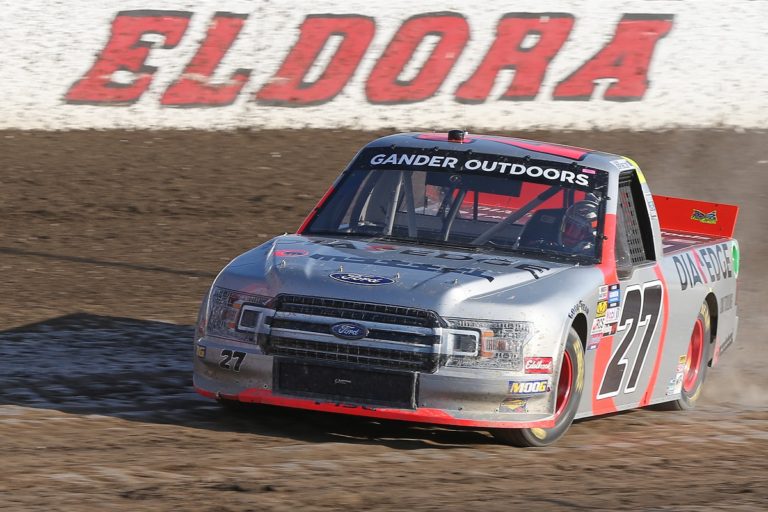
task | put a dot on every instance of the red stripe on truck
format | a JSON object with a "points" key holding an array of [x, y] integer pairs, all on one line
{"points": [[605, 348], [662, 338], [420, 415]]}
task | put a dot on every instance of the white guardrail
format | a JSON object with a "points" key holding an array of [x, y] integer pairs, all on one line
{"points": [[219, 64]]}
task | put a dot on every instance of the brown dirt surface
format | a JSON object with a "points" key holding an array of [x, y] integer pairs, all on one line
{"points": [[109, 240]]}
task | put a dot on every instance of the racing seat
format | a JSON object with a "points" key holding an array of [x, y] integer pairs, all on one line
{"points": [[544, 225]]}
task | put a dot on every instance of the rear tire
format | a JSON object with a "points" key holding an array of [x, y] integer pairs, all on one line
{"points": [[695, 370], [569, 388]]}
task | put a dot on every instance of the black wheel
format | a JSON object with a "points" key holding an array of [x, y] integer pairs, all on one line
{"points": [[695, 369], [570, 385]]}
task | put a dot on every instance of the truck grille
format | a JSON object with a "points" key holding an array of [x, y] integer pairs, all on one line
{"points": [[349, 353], [361, 311], [397, 338]]}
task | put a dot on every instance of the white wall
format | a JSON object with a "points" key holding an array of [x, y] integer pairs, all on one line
{"points": [[709, 70]]}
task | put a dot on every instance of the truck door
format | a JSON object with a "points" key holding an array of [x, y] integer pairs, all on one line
{"points": [[634, 309]]}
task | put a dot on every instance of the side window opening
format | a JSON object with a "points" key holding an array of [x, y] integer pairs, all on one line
{"points": [[623, 258], [634, 240]]}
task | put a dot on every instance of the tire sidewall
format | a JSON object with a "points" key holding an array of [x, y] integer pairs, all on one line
{"points": [[545, 436]]}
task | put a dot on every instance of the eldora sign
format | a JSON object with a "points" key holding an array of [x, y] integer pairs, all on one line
{"points": [[525, 42]]}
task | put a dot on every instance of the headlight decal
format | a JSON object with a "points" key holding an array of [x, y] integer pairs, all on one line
{"points": [[236, 315], [487, 344]]}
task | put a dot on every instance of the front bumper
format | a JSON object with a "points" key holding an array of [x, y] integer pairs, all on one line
{"points": [[451, 396]]}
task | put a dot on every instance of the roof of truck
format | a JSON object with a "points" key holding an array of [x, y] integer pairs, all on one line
{"points": [[507, 146]]}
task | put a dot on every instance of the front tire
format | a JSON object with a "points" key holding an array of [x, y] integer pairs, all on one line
{"points": [[569, 388]]}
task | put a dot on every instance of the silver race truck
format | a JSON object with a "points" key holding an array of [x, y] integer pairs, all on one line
{"points": [[478, 281]]}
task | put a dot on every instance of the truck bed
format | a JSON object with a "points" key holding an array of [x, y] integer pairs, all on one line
{"points": [[679, 241]]}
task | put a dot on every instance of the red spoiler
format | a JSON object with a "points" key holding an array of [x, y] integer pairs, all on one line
{"points": [[699, 217]]}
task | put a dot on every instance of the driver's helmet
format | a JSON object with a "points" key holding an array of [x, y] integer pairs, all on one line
{"points": [[579, 226]]}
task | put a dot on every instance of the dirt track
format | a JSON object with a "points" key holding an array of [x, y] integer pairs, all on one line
{"points": [[123, 232]]}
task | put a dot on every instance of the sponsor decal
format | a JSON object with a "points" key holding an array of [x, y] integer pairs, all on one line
{"points": [[594, 341], [538, 365], [704, 266], [535, 270], [598, 326], [219, 72], [200, 351], [426, 267], [726, 303], [291, 253], [528, 387], [612, 315], [706, 218], [349, 331], [514, 405], [379, 247], [602, 292], [681, 363], [651, 205], [614, 295], [493, 165], [580, 307], [622, 165], [602, 307], [676, 383], [354, 278]]}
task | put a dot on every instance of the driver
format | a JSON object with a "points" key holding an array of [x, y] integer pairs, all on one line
{"points": [[579, 226]]}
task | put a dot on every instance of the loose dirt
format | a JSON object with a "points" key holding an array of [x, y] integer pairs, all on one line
{"points": [[108, 241]]}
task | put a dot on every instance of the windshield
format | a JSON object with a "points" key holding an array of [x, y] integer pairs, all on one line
{"points": [[474, 211]]}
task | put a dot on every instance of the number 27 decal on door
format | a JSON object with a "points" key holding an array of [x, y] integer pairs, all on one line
{"points": [[637, 324]]}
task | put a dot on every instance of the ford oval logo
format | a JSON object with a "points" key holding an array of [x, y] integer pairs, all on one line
{"points": [[349, 331], [352, 278]]}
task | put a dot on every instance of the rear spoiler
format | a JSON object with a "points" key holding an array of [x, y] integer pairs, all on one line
{"points": [[699, 217]]}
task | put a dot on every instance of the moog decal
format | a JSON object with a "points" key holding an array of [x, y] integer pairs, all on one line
{"points": [[530, 387]]}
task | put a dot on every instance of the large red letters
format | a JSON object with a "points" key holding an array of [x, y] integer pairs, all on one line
{"points": [[329, 49], [288, 88], [127, 51], [384, 85], [625, 58], [194, 88], [509, 51]]}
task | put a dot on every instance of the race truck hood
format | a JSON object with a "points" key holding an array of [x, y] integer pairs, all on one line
{"points": [[372, 271]]}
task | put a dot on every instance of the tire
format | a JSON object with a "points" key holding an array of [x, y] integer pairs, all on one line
{"points": [[572, 374], [695, 363]]}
